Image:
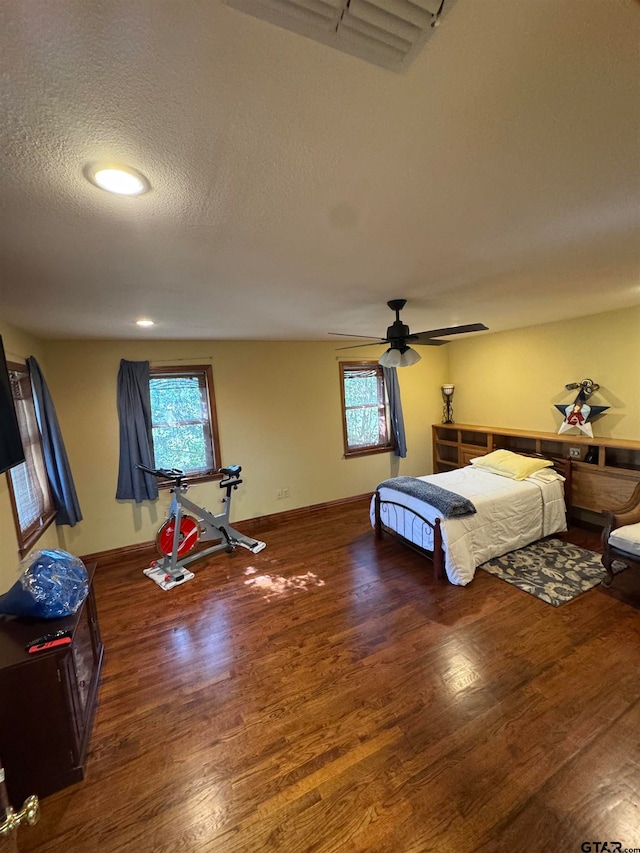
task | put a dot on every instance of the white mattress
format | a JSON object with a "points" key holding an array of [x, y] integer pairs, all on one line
{"points": [[510, 514]]}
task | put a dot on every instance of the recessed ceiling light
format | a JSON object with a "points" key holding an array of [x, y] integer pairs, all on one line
{"points": [[144, 322], [117, 179]]}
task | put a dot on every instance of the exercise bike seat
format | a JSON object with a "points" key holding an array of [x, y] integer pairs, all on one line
{"points": [[231, 471]]}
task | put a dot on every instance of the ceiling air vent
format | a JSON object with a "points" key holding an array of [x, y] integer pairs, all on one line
{"points": [[388, 33]]}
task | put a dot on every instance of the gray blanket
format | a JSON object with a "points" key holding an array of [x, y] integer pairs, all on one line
{"points": [[448, 503]]}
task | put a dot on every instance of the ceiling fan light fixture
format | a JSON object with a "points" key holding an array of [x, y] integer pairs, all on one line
{"points": [[409, 357], [395, 357], [390, 358]]}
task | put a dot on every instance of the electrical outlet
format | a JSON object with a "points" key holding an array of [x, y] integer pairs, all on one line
{"points": [[285, 492], [574, 452], [278, 494]]}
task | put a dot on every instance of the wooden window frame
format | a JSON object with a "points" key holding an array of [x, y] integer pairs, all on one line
{"points": [[28, 537], [190, 370], [367, 450]]}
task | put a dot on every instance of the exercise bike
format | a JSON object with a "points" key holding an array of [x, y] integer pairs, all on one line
{"points": [[181, 532]]}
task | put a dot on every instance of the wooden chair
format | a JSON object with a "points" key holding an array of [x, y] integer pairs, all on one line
{"points": [[621, 535]]}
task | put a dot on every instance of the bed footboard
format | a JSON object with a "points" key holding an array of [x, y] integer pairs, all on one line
{"points": [[434, 537]]}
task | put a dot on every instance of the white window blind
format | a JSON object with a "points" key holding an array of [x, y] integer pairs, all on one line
{"points": [[29, 482]]}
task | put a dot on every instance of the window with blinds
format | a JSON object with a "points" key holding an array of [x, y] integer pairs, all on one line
{"points": [[28, 482], [183, 417], [365, 409]]}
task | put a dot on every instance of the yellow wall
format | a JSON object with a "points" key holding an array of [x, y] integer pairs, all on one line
{"points": [[18, 347], [514, 379], [279, 414]]}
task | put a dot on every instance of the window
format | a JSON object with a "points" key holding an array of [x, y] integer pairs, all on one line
{"points": [[28, 483], [365, 409], [183, 420]]}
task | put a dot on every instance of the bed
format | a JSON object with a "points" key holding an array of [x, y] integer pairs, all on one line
{"points": [[509, 514]]}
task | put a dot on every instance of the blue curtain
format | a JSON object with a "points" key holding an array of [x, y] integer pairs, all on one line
{"points": [[395, 410], [63, 490], [136, 443]]}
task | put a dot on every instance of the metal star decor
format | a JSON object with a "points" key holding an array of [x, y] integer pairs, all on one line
{"points": [[578, 414]]}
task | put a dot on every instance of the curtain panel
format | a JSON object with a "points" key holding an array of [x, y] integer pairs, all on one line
{"points": [[65, 499], [395, 410], [136, 442]]}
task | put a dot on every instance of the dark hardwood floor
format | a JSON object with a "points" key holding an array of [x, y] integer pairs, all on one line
{"points": [[360, 708]]}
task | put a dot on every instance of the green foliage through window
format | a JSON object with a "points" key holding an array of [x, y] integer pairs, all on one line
{"points": [[181, 426], [365, 412]]}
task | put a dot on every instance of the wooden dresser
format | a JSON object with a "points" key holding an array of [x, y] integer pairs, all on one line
{"points": [[47, 700], [606, 481]]}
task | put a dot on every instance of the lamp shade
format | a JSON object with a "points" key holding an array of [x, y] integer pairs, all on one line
{"points": [[394, 357], [447, 390], [390, 358], [409, 357]]}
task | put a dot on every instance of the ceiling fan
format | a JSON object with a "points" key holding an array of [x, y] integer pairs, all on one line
{"points": [[400, 354]]}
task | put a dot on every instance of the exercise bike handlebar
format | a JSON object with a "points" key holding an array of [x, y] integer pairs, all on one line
{"points": [[232, 472], [164, 473]]}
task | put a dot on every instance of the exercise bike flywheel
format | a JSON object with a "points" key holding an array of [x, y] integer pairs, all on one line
{"points": [[189, 536]]}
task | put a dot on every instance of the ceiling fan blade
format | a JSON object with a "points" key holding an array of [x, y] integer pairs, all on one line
{"points": [[347, 335], [370, 344], [425, 337]]}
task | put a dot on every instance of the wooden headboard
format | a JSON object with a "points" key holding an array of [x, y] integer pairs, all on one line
{"points": [[607, 479]]}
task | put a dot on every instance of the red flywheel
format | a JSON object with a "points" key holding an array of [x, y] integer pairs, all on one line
{"points": [[189, 536]]}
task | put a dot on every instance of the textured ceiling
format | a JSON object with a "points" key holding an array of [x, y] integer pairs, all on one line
{"points": [[295, 189]]}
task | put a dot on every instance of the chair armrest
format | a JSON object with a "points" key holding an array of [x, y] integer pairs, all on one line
{"points": [[628, 513], [632, 503], [622, 518], [614, 520]]}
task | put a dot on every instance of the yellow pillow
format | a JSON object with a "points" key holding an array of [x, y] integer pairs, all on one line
{"points": [[510, 464]]}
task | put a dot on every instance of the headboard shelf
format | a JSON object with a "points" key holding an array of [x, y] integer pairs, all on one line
{"points": [[604, 474]]}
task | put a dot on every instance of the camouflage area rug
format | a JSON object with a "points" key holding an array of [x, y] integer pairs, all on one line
{"points": [[552, 570]]}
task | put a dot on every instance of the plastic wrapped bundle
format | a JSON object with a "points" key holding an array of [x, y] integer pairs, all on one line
{"points": [[53, 584]]}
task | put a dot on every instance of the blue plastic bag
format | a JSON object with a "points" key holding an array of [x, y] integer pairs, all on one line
{"points": [[53, 584]]}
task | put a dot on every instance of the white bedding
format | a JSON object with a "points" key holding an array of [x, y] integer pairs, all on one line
{"points": [[510, 514]]}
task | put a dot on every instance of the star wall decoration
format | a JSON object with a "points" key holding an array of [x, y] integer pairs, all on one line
{"points": [[579, 414]]}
